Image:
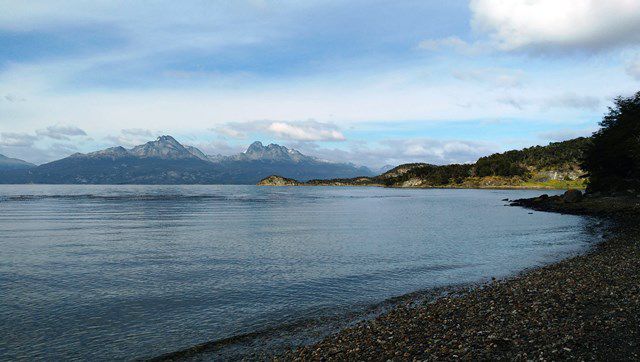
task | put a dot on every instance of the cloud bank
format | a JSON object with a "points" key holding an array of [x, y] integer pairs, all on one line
{"points": [[303, 131], [557, 25], [61, 132], [11, 139]]}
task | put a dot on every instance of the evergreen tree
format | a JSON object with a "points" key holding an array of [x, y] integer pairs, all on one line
{"points": [[612, 159]]}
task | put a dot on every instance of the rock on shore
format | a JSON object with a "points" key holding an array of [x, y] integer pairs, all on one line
{"points": [[275, 180]]}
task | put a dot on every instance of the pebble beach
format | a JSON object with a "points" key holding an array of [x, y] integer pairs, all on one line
{"points": [[583, 308]]}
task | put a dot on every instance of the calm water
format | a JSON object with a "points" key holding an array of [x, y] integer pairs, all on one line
{"points": [[125, 272]]}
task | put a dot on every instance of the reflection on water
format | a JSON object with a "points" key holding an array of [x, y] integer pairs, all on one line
{"points": [[120, 272]]}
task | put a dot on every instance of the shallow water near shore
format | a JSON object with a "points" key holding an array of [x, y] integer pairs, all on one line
{"points": [[126, 272]]}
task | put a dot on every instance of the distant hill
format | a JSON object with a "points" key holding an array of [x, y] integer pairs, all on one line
{"points": [[7, 163], [554, 166], [166, 161]]}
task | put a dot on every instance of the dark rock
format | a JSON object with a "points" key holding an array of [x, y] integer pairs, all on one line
{"points": [[543, 197], [572, 196]]}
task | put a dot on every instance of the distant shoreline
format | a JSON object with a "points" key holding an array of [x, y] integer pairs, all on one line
{"points": [[278, 181], [392, 181], [542, 188]]}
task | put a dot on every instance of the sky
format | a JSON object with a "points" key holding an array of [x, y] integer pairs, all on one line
{"points": [[370, 82]]}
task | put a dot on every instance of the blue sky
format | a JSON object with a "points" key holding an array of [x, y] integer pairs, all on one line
{"points": [[371, 82]]}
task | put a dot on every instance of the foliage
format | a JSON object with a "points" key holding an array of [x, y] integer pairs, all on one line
{"points": [[509, 168], [501, 164], [430, 174], [612, 161], [557, 155]]}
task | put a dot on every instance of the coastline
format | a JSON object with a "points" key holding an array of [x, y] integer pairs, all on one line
{"points": [[486, 183], [268, 343], [451, 187], [583, 307]]}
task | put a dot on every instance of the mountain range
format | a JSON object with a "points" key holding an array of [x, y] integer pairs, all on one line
{"points": [[167, 161]]}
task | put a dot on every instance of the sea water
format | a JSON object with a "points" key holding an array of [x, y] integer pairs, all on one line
{"points": [[127, 272]]}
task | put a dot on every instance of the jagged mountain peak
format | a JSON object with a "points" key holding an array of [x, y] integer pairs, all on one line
{"points": [[256, 146], [167, 139], [162, 147], [273, 152]]}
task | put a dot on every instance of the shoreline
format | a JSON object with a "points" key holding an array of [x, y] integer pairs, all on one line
{"points": [[582, 307], [541, 188], [218, 349], [268, 343], [391, 181], [502, 187]]}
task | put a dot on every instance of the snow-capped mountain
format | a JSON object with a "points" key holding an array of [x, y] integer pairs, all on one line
{"points": [[272, 152], [164, 147]]}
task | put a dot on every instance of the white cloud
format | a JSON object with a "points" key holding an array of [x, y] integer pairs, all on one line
{"points": [[571, 100], [229, 131], [558, 25], [440, 151], [44, 145], [61, 132], [399, 151], [304, 131], [566, 134], [137, 132], [11, 139]]}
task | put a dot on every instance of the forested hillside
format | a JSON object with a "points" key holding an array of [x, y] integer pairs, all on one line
{"points": [[555, 166]]}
